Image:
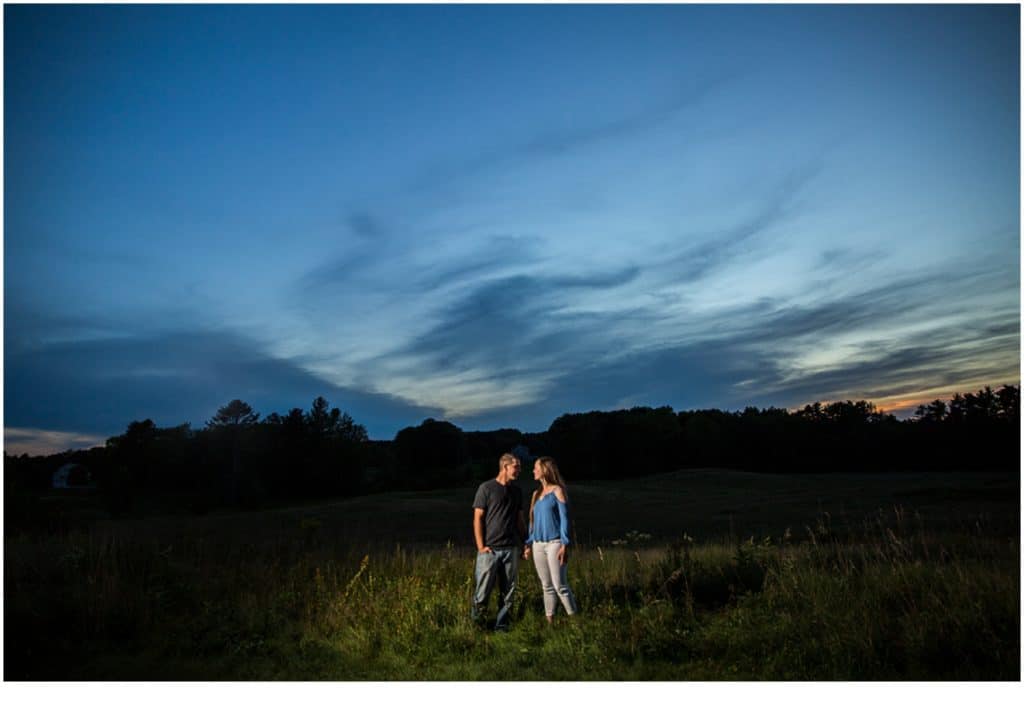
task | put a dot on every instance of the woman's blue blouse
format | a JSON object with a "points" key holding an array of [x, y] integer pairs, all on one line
{"points": [[550, 520]]}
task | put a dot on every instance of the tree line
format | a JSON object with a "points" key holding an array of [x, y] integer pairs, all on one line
{"points": [[239, 459]]}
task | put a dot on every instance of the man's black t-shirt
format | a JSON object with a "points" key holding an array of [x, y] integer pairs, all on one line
{"points": [[502, 505]]}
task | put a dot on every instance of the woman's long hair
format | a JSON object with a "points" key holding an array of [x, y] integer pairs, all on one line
{"points": [[550, 474]]}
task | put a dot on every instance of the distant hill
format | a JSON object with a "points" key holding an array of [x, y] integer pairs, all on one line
{"points": [[707, 504]]}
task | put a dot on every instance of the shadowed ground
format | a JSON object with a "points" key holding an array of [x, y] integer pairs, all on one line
{"points": [[703, 503], [813, 577]]}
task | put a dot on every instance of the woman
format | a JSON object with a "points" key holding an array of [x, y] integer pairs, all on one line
{"points": [[549, 537]]}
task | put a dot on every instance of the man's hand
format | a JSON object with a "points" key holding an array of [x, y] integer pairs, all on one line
{"points": [[484, 549], [563, 555], [526, 552]]}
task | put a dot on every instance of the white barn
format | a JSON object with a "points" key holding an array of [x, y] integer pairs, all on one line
{"points": [[62, 477]]}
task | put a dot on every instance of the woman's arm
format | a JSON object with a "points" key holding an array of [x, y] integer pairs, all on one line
{"points": [[529, 531], [563, 515]]}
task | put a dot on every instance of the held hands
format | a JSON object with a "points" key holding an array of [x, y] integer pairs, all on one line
{"points": [[563, 555], [526, 552]]}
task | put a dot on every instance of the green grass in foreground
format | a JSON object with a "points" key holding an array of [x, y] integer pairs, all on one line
{"points": [[890, 602]]}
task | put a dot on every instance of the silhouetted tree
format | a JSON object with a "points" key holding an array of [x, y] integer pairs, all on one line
{"points": [[232, 419], [234, 413], [1009, 403], [932, 413], [431, 454], [323, 452], [135, 452], [332, 460], [482, 451], [982, 406]]}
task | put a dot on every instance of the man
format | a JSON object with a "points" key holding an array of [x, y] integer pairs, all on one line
{"points": [[499, 530]]}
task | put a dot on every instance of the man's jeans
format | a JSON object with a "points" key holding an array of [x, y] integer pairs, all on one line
{"points": [[499, 567]]}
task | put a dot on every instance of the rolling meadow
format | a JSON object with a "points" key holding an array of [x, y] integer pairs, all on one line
{"points": [[691, 575]]}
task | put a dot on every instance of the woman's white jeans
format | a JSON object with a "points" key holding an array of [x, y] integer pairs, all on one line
{"points": [[552, 577]]}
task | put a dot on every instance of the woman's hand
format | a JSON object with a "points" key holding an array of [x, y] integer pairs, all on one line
{"points": [[526, 552], [563, 554]]}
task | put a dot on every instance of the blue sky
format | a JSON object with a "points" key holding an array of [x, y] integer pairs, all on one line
{"points": [[498, 214]]}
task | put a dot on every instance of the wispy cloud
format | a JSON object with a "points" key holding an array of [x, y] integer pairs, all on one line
{"points": [[559, 142], [33, 441], [726, 246], [522, 332], [366, 225], [685, 97], [97, 386]]}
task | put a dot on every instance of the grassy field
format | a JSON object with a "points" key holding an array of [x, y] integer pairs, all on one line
{"points": [[899, 576]]}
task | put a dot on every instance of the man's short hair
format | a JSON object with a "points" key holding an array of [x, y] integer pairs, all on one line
{"points": [[506, 459]]}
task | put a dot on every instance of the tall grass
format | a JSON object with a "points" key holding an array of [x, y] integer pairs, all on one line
{"points": [[891, 602]]}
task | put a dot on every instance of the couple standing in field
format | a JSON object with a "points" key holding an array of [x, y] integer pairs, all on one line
{"points": [[500, 529]]}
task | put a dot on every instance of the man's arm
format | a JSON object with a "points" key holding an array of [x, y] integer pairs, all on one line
{"points": [[478, 530]]}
